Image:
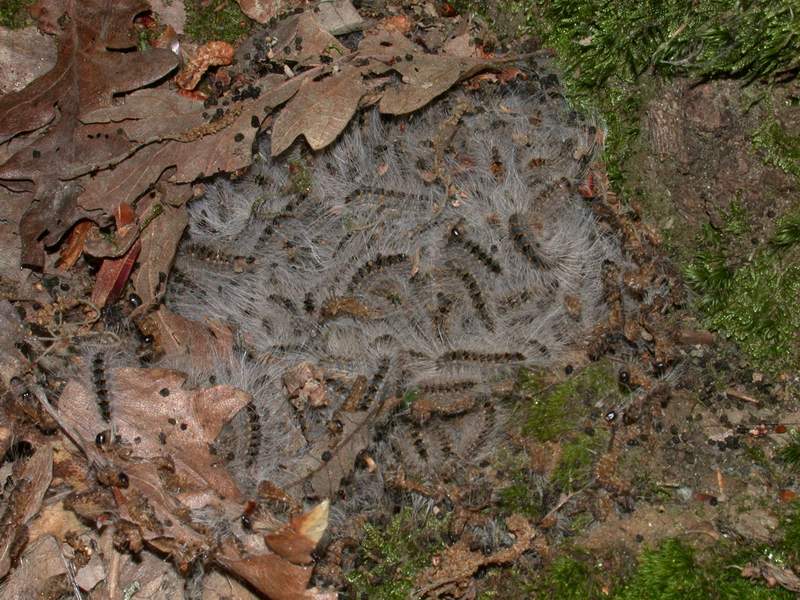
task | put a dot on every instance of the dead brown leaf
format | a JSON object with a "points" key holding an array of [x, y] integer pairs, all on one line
{"points": [[331, 459], [88, 72], [211, 54], [313, 114], [302, 40], [41, 564], [25, 54]]}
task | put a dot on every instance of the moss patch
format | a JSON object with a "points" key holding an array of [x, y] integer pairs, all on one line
{"points": [[750, 300], [578, 456], [391, 557], [673, 572], [218, 20], [14, 13], [552, 412]]}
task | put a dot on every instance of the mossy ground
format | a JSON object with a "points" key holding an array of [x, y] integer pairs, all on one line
{"points": [[14, 13], [390, 557], [217, 20]]}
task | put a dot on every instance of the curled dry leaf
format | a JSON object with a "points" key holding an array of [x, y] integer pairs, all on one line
{"points": [[211, 54], [114, 272]]}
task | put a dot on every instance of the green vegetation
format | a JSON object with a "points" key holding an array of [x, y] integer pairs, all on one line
{"points": [[569, 578], [577, 459], [553, 412], [391, 557], [14, 13], [218, 20], [790, 453], [673, 572], [751, 302], [778, 148]]}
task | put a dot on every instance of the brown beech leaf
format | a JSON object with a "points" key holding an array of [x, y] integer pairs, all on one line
{"points": [[31, 480], [208, 55], [264, 10], [320, 110]]}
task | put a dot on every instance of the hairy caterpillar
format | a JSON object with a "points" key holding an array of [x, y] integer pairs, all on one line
{"points": [[396, 286]]}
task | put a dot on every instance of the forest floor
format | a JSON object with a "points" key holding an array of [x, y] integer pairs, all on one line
{"points": [[692, 490]]}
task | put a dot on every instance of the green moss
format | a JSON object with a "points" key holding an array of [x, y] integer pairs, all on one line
{"points": [[391, 557], [218, 20], [14, 13], [777, 147], [790, 453], [552, 412], [673, 572], [787, 233], [751, 300], [577, 460], [569, 578]]}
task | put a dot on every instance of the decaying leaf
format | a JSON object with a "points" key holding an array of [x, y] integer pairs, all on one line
{"points": [[159, 242], [114, 272], [312, 114], [178, 336], [334, 457], [25, 54], [22, 502], [302, 40], [208, 55], [458, 563]]}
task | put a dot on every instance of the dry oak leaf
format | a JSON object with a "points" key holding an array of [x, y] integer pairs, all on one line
{"points": [[424, 76], [204, 343], [91, 67], [25, 54], [211, 54], [320, 110]]}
